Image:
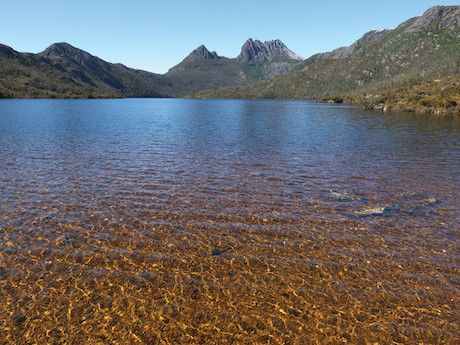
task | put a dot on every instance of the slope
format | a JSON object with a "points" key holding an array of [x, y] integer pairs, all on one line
{"points": [[65, 71], [420, 48]]}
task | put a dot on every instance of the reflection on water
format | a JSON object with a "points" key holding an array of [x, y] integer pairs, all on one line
{"points": [[186, 221]]}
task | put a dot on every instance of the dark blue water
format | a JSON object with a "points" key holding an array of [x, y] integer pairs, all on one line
{"points": [[87, 151]]}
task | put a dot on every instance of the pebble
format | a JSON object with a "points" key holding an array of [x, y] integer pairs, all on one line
{"points": [[216, 251]]}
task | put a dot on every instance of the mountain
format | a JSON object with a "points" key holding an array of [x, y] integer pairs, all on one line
{"points": [[420, 48], [66, 71], [202, 70]]}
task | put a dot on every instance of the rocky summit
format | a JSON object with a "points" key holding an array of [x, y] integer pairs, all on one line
{"points": [[202, 53], [256, 51], [202, 70], [436, 18]]}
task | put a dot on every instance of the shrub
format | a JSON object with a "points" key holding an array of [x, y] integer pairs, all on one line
{"points": [[451, 103]]}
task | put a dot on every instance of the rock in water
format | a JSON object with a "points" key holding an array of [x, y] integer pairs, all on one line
{"points": [[216, 251], [374, 211], [344, 196]]}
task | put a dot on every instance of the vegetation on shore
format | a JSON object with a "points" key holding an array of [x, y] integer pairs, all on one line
{"points": [[436, 96]]}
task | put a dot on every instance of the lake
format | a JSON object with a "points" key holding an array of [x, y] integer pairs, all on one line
{"points": [[227, 221]]}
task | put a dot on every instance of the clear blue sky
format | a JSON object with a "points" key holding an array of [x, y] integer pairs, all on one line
{"points": [[156, 35]]}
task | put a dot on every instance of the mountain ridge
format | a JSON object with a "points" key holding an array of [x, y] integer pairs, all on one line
{"points": [[420, 47], [203, 69], [62, 70]]}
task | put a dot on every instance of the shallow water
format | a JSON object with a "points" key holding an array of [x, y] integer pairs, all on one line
{"points": [[220, 221]]}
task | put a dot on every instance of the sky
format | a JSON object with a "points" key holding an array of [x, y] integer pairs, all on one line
{"points": [[156, 35]]}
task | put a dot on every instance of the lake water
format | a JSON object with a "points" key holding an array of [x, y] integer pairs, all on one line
{"points": [[200, 221]]}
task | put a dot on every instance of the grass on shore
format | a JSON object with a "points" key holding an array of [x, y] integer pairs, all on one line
{"points": [[438, 96]]}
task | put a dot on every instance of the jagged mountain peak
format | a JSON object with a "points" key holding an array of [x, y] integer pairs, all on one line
{"points": [[203, 53], [199, 55], [256, 51]]}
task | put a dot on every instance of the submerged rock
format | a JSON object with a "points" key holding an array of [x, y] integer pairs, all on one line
{"points": [[429, 201], [344, 196], [374, 211], [256, 174], [216, 251]]}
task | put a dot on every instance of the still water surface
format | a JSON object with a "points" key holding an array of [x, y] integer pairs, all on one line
{"points": [[227, 221]]}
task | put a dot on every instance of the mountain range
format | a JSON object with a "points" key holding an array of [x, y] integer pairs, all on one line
{"points": [[422, 47], [65, 71]]}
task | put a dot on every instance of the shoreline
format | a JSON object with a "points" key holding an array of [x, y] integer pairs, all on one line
{"points": [[440, 96]]}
